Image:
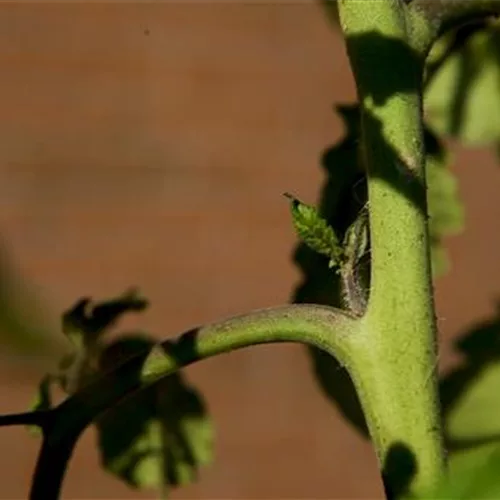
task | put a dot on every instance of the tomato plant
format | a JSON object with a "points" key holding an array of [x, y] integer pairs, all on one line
{"points": [[424, 70]]}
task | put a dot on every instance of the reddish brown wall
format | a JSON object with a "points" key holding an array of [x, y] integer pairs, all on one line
{"points": [[150, 144]]}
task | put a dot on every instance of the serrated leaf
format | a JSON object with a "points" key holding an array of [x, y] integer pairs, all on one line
{"points": [[85, 322], [342, 197], [315, 231], [158, 438], [86, 325], [463, 98]]}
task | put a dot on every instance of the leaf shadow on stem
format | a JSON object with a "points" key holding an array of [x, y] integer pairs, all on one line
{"points": [[384, 66], [399, 468]]}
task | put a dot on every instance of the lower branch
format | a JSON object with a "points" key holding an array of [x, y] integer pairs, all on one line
{"points": [[52, 463], [37, 418], [323, 327]]}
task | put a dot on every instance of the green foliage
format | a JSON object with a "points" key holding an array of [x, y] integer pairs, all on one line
{"points": [[445, 209], [471, 406], [470, 392], [462, 87], [475, 414], [346, 188], [160, 437], [463, 90], [156, 438], [315, 232], [342, 199], [473, 474]]}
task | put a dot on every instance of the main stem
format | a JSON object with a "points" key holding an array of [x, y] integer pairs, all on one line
{"points": [[397, 378]]}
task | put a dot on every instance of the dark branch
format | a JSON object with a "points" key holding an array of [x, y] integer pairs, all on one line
{"points": [[38, 418], [52, 463]]}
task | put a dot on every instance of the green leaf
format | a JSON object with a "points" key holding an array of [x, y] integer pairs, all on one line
{"points": [[476, 414], [471, 407], [315, 231], [156, 438], [446, 215], [469, 394], [85, 322], [342, 198], [473, 474], [463, 94], [159, 437]]}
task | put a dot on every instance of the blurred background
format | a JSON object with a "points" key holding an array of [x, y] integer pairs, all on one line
{"points": [[150, 144]]}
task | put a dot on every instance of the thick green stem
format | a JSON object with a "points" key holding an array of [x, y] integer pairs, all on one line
{"points": [[397, 351]]}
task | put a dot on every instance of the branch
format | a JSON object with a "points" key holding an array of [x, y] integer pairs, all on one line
{"points": [[441, 15], [324, 327], [52, 462], [38, 418]]}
